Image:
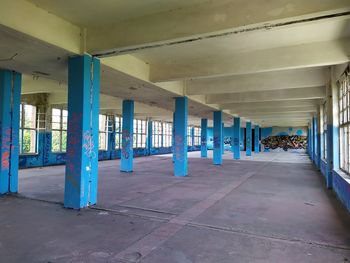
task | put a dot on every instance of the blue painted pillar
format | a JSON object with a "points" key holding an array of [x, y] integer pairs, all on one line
{"points": [[257, 139], [223, 138], [204, 135], [181, 115], [314, 127], [126, 164], [10, 97], [149, 136], [192, 137], [218, 140], [312, 140], [236, 148], [82, 142], [173, 137], [241, 139], [309, 141], [248, 139], [319, 142]]}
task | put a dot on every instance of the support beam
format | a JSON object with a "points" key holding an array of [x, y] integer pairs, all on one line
{"points": [[222, 138], [82, 144], [127, 155], [280, 95], [10, 96], [257, 139], [289, 57], [236, 138], [217, 135], [315, 146], [276, 80], [181, 118], [248, 139], [204, 134], [149, 136], [284, 104], [273, 109]]}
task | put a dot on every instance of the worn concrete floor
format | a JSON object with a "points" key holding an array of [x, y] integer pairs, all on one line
{"points": [[271, 207]]}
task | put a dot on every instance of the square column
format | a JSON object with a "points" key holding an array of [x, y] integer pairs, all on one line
{"points": [[173, 137], [218, 138], [82, 142], [314, 128], [181, 115], [333, 150], [236, 148], [223, 139], [257, 139], [192, 137], [248, 150], [127, 156], [10, 98], [319, 136], [309, 141], [149, 136], [204, 134]]}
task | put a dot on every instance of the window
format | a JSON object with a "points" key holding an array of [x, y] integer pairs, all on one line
{"points": [[189, 135], [156, 134], [140, 128], [344, 121], [167, 134], [197, 136], [27, 133], [59, 130], [324, 130], [118, 132], [103, 132]]}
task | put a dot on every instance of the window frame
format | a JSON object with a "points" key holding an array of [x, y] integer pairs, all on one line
{"points": [[344, 122], [103, 132], [157, 134], [140, 134], [167, 134], [197, 135], [62, 129], [23, 128]]}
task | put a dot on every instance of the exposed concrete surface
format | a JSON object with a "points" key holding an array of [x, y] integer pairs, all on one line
{"points": [[271, 207]]}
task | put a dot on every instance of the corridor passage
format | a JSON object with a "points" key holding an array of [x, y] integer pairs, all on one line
{"points": [[272, 207]]}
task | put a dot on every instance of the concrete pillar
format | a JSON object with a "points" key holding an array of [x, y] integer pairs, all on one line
{"points": [[309, 146], [173, 137], [10, 98], [149, 136], [218, 140], [126, 164], [222, 139], [333, 158], [314, 127], [248, 139], [319, 136], [204, 134], [192, 137], [241, 139], [82, 142], [236, 138], [181, 116], [257, 139]]}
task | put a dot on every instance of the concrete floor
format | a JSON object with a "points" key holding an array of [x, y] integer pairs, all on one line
{"points": [[271, 207]]}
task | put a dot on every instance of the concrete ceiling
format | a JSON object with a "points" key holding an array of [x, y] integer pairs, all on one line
{"points": [[267, 63]]}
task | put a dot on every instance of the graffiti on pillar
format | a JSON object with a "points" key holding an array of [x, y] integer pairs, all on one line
{"points": [[88, 145], [285, 142], [73, 150], [179, 147], [47, 148], [204, 141], [6, 142], [217, 142], [126, 144]]}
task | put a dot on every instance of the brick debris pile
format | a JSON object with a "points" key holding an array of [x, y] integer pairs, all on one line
{"points": [[285, 142]]}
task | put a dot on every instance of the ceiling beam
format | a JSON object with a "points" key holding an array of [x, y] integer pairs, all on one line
{"points": [[281, 58], [263, 105], [276, 80], [278, 95], [275, 110], [207, 20]]}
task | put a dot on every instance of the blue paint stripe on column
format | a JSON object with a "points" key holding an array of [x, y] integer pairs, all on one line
{"points": [[82, 139], [126, 164], [10, 93], [248, 138], [236, 138], [204, 134], [181, 115], [149, 136], [217, 155], [257, 139], [314, 138], [222, 138]]}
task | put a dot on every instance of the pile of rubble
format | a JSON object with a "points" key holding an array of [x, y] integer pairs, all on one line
{"points": [[285, 142]]}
